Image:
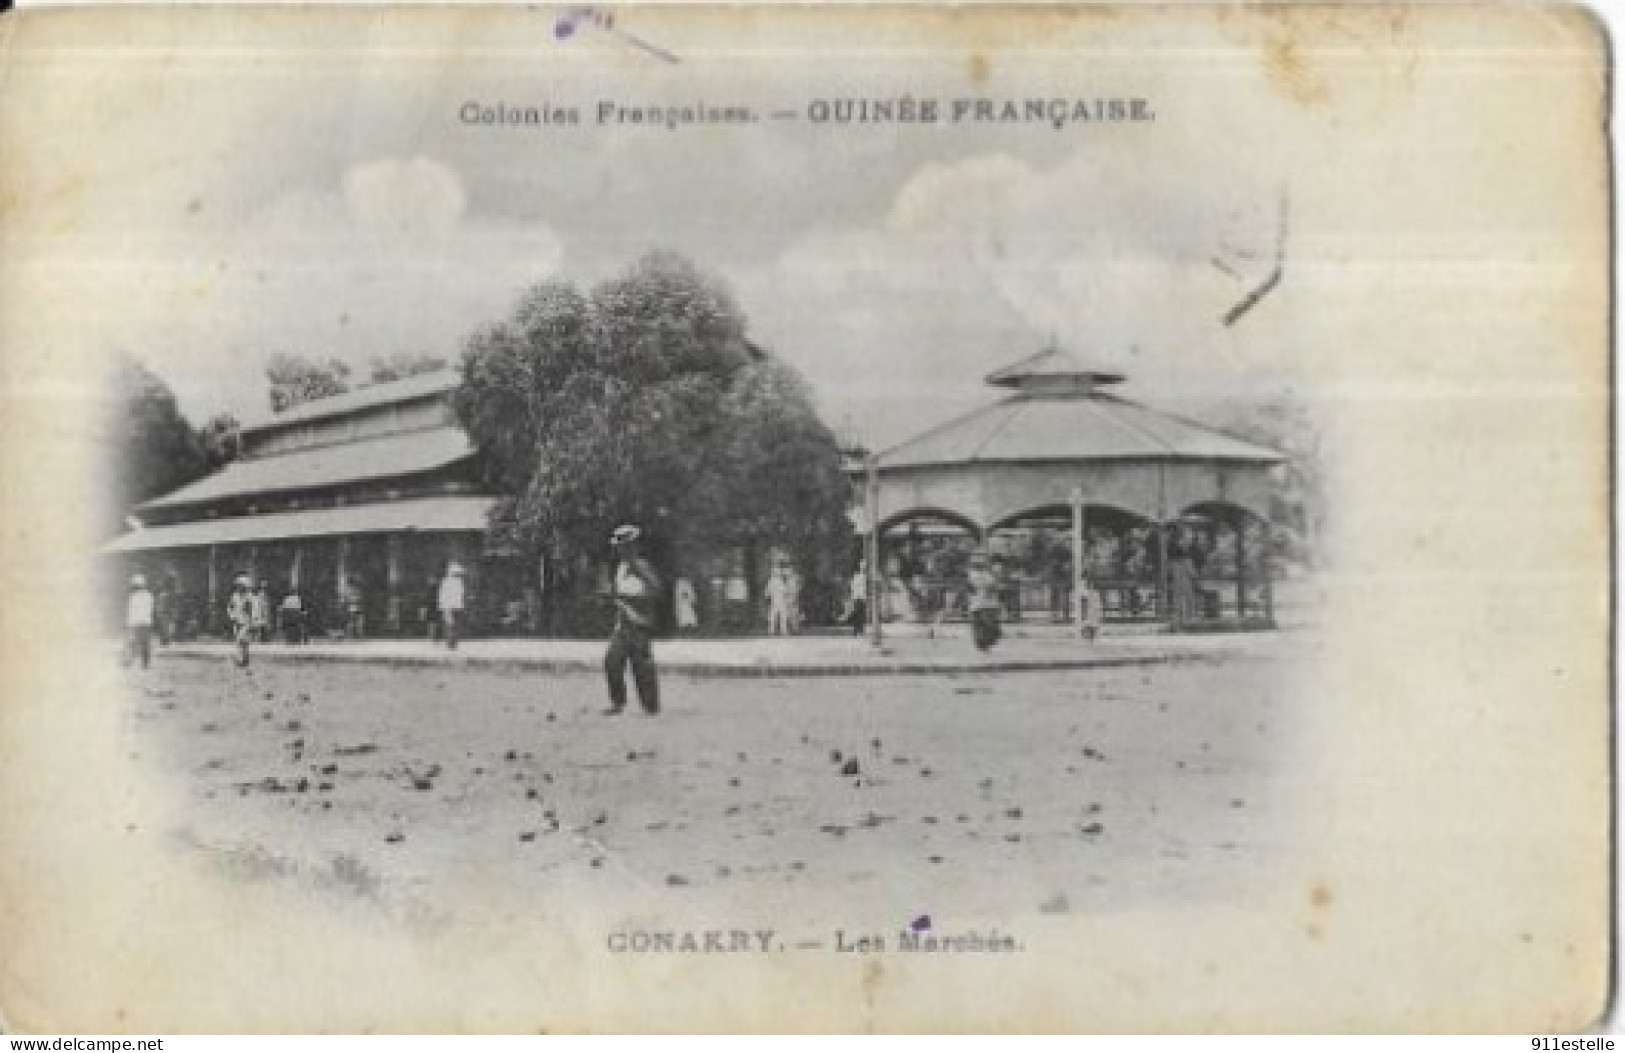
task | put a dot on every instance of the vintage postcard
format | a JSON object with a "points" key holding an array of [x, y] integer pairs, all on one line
{"points": [[1065, 518]]}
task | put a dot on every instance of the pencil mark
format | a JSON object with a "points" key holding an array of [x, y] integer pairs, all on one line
{"points": [[1271, 280]]}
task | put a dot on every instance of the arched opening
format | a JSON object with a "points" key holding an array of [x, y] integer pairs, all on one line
{"points": [[1219, 568], [1034, 550], [923, 556]]}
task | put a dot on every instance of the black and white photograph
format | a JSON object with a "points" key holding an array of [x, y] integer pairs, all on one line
{"points": [[750, 519]]}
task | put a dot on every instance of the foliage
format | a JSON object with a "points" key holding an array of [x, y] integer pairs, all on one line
{"points": [[403, 364], [155, 449], [642, 402], [1285, 422], [220, 441], [295, 379]]}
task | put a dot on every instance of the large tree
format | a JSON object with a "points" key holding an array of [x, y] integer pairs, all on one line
{"points": [[155, 450], [642, 401]]}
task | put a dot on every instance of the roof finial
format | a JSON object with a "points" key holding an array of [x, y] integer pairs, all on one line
{"points": [[1052, 371]]}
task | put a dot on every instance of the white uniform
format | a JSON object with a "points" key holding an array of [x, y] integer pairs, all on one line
{"points": [[138, 612]]}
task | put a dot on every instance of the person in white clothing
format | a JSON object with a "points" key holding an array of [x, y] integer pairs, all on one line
{"points": [[138, 621], [778, 602], [688, 615], [240, 616], [1090, 609], [452, 600]]}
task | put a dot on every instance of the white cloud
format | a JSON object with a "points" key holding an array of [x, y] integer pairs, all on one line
{"points": [[387, 257], [981, 261], [405, 199]]}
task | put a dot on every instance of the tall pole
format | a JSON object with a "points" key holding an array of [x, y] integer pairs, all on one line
{"points": [[393, 544], [872, 546], [214, 593], [1241, 569], [1269, 586], [1077, 560]]}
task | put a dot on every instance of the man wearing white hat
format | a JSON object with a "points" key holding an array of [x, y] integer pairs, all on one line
{"points": [[452, 599], [138, 619], [240, 615], [636, 589]]}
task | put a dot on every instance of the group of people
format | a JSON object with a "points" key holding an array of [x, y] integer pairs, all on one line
{"points": [[250, 618], [984, 600], [638, 594]]}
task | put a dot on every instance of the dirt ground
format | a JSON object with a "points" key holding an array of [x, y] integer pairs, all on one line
{"points": [[1028, 792]]}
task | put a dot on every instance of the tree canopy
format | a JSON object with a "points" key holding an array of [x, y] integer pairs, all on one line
{"points": [[155, 449], [295, 379], [1285, 422], [220, 440], [403, 364], [642, 401]]}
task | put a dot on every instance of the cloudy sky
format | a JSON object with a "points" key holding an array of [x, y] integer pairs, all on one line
{"points": [[327, 199]]}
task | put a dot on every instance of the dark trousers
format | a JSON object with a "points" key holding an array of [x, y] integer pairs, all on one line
{"points": [[629, 643], [858, 619], [451, 624], [138, 645]]}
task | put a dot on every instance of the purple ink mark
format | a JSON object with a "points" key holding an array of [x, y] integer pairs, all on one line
{"points": [[574, 18], [920, 924]]}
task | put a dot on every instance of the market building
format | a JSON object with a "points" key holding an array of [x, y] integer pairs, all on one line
{"points": [[378, 487], [1173, 516]]}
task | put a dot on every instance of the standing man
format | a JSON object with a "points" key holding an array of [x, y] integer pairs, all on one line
{"points": [[240, 616], [138, 622], [778, 601], [636, 590], [259, 612], [452, 600], [982, 580], [1181, 579], [857, 601], [355, 608]]}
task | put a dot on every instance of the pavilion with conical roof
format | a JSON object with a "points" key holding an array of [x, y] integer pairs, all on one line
{"points": [[1138, 490]]}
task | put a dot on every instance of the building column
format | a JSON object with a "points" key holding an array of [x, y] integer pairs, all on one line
{"points": [[874, 584], [297, 565], [1077, 560], [1241, 569], [393, 545], [1268, 583], [211, 612], [1164, 608]]}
